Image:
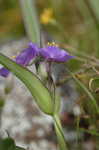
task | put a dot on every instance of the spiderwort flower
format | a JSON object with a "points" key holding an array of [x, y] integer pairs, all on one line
{"points": [[4, 72], [53, 53], [24, 58], [27, 55]]}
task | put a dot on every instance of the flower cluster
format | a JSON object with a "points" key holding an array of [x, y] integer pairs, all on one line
{"points": [[50, 53]]}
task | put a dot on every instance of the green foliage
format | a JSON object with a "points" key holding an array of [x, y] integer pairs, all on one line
{"points": [[2, 102], [94, 5], [9, 144], [60, 134], [30, 19], [35, 86]]}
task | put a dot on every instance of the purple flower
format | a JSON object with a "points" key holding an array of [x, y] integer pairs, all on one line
{"points": [[50, 53], [55, 54], [4, 72], [27, 55], [24, 58]]}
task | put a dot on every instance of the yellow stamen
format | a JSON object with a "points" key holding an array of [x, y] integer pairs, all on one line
{"points": [[52, 44], [48, 43], [13, 56]]}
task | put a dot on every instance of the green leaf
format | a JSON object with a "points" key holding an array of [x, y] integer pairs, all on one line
{"points": [[35, 86], [95, 6], [92, 132], [30, 20], [6, 144], [9, 144]]}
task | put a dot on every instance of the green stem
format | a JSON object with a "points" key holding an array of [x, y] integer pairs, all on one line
{"points": [[59, 133]]}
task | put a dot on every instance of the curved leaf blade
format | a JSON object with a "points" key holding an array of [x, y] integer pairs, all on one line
{"points": [[35, 86]]}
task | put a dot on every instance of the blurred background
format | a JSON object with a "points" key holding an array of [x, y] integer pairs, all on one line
{"points": [[74, 24]]}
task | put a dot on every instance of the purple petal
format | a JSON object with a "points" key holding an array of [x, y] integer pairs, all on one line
{"points": [[4, 72], [23, 58], [34, 47], [27, 55], [54, 53]]}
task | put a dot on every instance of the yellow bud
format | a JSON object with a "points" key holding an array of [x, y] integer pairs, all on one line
{"points": [[46, 16]]}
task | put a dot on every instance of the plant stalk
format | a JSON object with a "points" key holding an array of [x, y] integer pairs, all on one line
{"points": [[59, 133]]}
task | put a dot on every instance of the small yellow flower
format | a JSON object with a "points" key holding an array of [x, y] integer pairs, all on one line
{"points": [[46, 16]]}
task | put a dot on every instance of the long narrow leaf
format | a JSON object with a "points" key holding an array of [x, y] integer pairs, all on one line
{"points": [[30, 20], [35, 86]]}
